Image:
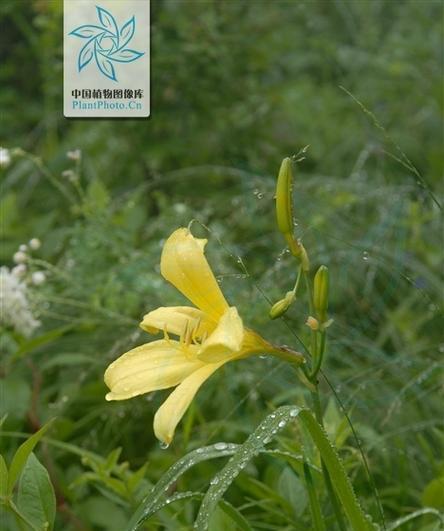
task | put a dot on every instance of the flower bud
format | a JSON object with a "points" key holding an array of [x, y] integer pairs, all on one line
{"points": [[280, 307], [19, 257], [35, 244], [19, 270], [320, 293], [284, 210], [38, 278], [312, 323]]}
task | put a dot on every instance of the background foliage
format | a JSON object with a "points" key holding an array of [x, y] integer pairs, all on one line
{"points": [[236, 87]]}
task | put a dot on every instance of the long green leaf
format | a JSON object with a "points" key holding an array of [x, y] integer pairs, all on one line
{"points": [[178, 496], [235, 515], [227, 507], [341, 482], [153, 503], [149, 503], [36, 499], [417, 514], [316, 513], [268, 428], [22, 454]]}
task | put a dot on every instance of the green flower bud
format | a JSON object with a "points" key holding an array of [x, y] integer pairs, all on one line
{"points": [[320, 293], [284, 211], [280, 307]]}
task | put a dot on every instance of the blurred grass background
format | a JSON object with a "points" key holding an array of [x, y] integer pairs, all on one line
{"points": [[236, 86]]}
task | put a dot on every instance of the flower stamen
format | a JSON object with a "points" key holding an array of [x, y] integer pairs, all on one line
{"points": [[165, 334], [194, 334]]}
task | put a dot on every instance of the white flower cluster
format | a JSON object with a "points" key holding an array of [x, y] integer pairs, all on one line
{"points": [[72, 175], [5, 157], [21, 257], [15, 309], [75, 154]]}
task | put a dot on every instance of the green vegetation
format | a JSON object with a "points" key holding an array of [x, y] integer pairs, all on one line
{"points": [[237, 86]]}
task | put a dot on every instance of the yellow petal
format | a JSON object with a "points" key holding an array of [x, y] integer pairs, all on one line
{"points": [[157, 365], [183, 263], [253, 343], [172, 410], [175, 319], [226, 339]]}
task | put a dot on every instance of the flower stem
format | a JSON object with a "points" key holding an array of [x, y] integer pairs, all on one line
{"points": [[318, 358], [316, 513], [298, 280], [313, 334], [331, 493]]}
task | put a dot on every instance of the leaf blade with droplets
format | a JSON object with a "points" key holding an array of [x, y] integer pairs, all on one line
{"points": [[269, 427], [254, 444], [151, 501]]}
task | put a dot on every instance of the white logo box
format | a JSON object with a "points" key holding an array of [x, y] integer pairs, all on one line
{"points": [[106, 64]]}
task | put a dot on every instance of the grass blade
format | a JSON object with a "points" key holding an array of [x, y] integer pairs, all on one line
{"points": [[267, 429], [150, 502], [417, 514], [341, 482]]}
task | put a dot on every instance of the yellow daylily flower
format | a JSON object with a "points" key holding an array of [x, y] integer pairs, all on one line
{"points": [[208, 336]]}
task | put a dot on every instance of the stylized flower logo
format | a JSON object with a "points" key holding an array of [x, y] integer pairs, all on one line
{"points": [[106, 43]]}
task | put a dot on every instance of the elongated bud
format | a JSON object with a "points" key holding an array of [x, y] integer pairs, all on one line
{"points": [[284, 211], [280, 307], [320, 293]]}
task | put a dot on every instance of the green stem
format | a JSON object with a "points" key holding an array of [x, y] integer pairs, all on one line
{"points": [[309, 292], [313, 334], [331, 493], [298, 280], [46, 173], [318, 358], [318, 521]]}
